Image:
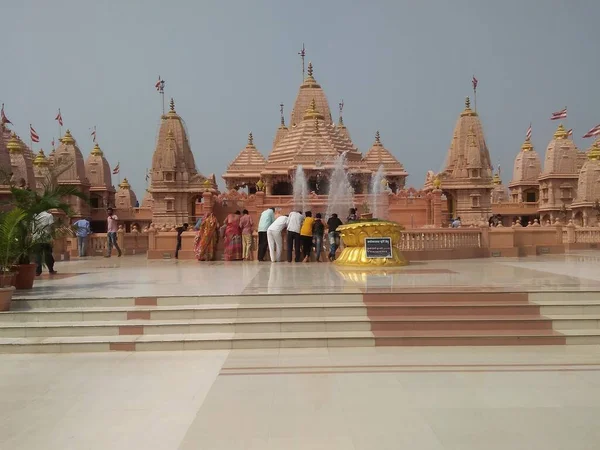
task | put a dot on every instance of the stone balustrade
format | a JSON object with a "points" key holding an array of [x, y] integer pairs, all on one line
{"points": [[133, 243], [440, 239]]}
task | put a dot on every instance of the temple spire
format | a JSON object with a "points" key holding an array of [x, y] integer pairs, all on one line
{"points": [[281, 112], [172, 105], [250, 140], [310, 70], [377, 138]]}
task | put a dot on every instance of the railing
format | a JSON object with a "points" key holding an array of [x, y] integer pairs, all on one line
{"points": [[439, 239], [130, 243], [586, 235]]}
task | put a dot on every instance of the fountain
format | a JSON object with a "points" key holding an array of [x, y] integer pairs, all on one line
{"points": [[300, 190], [341, 194], [383, 236], [376, 190]]}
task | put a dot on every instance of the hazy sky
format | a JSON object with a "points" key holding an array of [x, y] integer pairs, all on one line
{"points": [[401, 67]]}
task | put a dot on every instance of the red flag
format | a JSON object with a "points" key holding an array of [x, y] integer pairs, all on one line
{"points": [[570, 132], [593, 132], [160, 85], [116, 169], [562, 114], [528, 134], [34, 136], [59, 118], [3, 118], [474, 81]]}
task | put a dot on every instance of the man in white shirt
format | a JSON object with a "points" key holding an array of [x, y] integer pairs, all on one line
{"points": [[42, 234], [274, 237], [293, 235]]}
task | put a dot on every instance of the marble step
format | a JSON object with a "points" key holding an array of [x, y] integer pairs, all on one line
{"points": [[30, 303], [582, 336], [175, 342], [468, 337], [204, 311], [455, 309], [192, 326]]}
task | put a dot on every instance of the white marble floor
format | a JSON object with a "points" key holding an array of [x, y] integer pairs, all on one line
{"points": [[457, 398], [136, 276]]}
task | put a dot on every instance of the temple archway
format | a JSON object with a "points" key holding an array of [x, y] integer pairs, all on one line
{"points": [[578, 219], [319, 185], [282, 188], [451, 205]]}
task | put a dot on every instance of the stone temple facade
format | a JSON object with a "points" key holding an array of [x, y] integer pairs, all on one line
{"points": [[467, 179], [314, 142], [176, 185]]}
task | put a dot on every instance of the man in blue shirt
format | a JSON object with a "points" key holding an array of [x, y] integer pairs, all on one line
{"points": [[82, 230], [266, 219]]}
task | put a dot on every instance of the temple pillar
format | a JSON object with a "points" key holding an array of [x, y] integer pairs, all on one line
{"points": [[437, 208], [260, 199], [269, 186], [207, 200]]}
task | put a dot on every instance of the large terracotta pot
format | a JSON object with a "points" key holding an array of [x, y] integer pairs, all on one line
{"points": [[25, 276], [6, 294], [7, 279]]}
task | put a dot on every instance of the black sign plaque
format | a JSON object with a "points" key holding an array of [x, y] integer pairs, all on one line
{"points": [[380, 247]]}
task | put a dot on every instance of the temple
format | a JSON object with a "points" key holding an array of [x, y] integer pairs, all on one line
{"points": [[561, 187]]}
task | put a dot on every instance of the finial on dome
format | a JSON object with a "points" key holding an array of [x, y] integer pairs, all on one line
{"points": [[594, 153], [310, 70], [13, 145], [281, 113], [311, 111], [172, 105], [560, 132], [468, 111], [96, 151], [40, 159], [496, 179], [250, 140], [67, 138], [527, 147], [124, 184], [341, 106], [377, 138]]}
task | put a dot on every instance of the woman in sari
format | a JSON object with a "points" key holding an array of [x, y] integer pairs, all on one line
{"points": [[233, 237], [205, 243]]}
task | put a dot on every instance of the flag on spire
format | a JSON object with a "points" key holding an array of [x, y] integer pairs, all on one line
{"points": [[160, 85], [147, 175], [59, 118], [475, 81], [570, 132], [593, 132], [34, 136], [528, 134], [94, 134], [3, 118], [562, 114], [116, 169]]}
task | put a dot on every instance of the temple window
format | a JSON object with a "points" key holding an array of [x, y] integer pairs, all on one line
{"points": [[170, 205], [282, 188], [531, 197]]}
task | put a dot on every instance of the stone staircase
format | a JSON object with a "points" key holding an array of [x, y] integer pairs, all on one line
{"points": [[305, 320]]}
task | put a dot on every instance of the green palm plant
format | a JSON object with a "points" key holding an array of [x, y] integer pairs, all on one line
{"points": [[52, 196], [10, 253]]}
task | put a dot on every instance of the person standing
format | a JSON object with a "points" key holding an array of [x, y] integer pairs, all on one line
{"points": [[267, 217], [352, 216], [294, 226], [318, 232], [82, 231], [274, 237], [180, 231], [205, 242], [306, 236], [233, 238], [112, 225], [334, 236], [42, 235], [247, 226]]}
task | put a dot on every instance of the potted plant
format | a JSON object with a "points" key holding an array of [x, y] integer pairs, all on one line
{"points": [[9, 253], [32, 232]]}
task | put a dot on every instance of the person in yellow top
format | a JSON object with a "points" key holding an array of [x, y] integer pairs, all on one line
{"points": [[306, 235]]}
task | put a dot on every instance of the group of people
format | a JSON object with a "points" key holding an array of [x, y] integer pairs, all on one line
{"points": [[304, 233], [236, 231]]}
